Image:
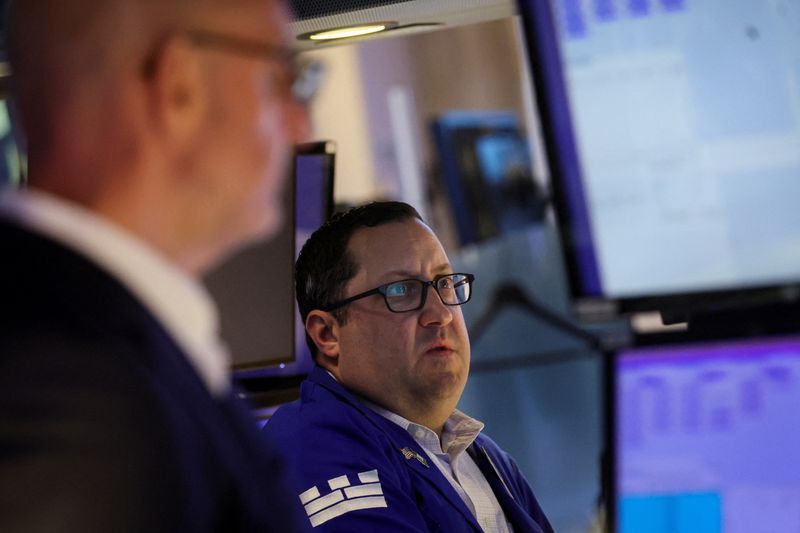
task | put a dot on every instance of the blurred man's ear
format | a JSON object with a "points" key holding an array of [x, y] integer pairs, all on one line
{"points": [[323, 328], [178, 92]]}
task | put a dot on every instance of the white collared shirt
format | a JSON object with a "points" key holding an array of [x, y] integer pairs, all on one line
{"points": [[457, 467], [182, 306]]}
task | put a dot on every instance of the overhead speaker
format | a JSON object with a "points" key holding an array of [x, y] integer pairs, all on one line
{"points": [[309, 9]]}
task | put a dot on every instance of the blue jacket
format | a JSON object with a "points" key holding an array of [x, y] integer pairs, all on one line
{"points": [[356, 471]]}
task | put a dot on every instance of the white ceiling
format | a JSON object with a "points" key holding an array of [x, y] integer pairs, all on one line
{"points": [[425, 14]]}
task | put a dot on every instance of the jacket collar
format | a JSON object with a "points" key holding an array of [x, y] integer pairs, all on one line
{"points": [[515, 513], [414, 456]]}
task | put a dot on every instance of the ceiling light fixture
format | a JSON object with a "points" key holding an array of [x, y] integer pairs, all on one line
{"points": [[348, 31]]}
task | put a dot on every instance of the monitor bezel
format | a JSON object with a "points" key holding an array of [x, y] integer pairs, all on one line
{"points": [[539, 32]]}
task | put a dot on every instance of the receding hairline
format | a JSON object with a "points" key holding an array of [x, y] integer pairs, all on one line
{"points": [[362, 231], [60, 50]]}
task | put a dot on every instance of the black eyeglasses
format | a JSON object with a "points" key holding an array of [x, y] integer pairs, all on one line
{"points": [[410, 294], [306, 75]]}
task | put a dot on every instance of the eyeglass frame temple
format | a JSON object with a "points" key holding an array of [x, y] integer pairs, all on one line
{"points": [[302, 72], [243, 45]]}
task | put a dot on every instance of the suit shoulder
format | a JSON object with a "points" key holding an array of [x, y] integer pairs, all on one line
{"points": [[321, 413], [321, 436]]}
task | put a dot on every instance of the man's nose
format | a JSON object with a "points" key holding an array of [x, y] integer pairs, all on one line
{"points": [[435, 312]]}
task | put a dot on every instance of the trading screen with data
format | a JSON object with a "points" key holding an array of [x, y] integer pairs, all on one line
{"points": [[707, 437], [685, 116]]}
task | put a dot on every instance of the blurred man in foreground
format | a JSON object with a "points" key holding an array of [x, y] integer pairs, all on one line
{"points": [[157, 136], [375, 442]]}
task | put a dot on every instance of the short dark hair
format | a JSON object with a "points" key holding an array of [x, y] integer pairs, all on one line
{"points": [[325, 265]]}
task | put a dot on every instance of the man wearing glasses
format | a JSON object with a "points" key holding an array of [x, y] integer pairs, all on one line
{"points": [[158, 133], [375, 442]]}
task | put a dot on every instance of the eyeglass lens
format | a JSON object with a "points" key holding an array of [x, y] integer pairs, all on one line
{"points": [[409, 294]]}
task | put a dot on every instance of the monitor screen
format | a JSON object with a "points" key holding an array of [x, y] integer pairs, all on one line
{"points": [[706, 437], [12, 157], [313, 203], [254, 290], [485, 164], [673, 137]]}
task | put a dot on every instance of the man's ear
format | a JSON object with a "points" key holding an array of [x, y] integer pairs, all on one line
{"points": [[323, 329], [178, 91]]}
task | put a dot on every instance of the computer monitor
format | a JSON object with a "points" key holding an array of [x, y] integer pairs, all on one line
{"points": [[12, 157], [484, 160], [706, 435], [255, 290], [672, 131]]}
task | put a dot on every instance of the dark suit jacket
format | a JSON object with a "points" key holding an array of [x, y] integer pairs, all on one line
{"points": [[104, 425]]}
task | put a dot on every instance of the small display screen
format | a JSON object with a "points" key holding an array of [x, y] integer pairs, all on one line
{"points": [[312, 206]]}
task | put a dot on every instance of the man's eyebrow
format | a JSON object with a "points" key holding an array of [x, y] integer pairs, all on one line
{"points": [[444, 268], [394, 275]]}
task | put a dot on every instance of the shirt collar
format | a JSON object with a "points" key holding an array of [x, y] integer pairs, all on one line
{"points": [[460, 430], [181, 304]]}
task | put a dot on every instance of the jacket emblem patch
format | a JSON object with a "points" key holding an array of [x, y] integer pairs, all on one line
{"points": [[343, 498]]}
